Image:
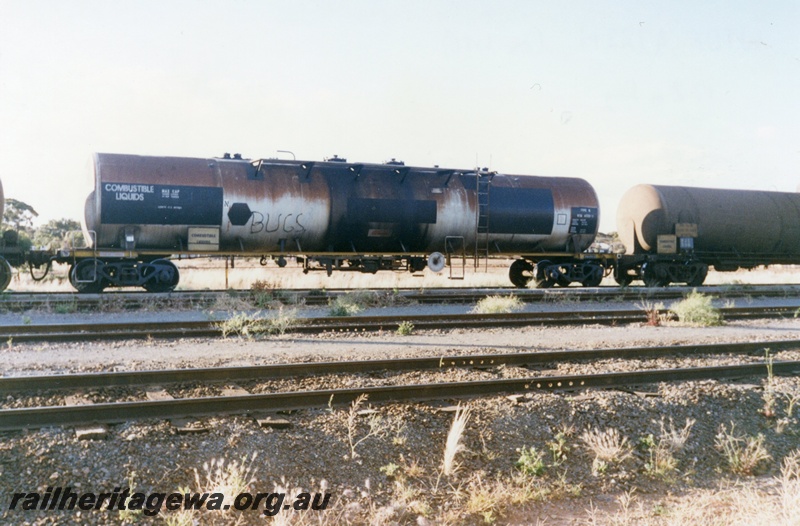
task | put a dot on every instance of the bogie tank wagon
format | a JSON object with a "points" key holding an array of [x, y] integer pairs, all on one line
{"points": [[330, 215], [702, 227]]}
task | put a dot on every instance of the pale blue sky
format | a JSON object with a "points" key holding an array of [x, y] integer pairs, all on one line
{"points": [[616, 92]]}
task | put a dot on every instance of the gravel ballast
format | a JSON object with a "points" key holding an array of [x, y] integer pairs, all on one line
{"points": [[396, 474]]}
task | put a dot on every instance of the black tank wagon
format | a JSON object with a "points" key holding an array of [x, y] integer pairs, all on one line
{"points": [[332, 215]]}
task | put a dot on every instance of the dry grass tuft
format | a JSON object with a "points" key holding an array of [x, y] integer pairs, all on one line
{"points": [[498, 305], [453, 444], [746, 455], [230, 302], [662, 451], [776, 503], [244, 325], [356, 301], [378, 426], [228, 478], [491, 499], [790, 488], [608, 447], [652, 311], [624, 516], [673, 438]]}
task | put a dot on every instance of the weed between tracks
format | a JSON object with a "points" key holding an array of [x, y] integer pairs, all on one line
{"points": [[405, 328], [347, 305], [355, 302], [245, 325], [653, 312], [696, 309], [498, 305]]}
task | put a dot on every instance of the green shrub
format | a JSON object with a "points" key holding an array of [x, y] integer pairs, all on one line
{"points": [[66, 307], [696, 309], [250, 325], [531, 461], [346, 305], [405, 328]]}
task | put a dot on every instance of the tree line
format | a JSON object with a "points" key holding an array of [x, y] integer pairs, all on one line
{"points": [[19, 216]]}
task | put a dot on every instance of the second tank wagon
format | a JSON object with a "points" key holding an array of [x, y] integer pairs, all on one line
{"points": [[732, 225], [679, 231]]}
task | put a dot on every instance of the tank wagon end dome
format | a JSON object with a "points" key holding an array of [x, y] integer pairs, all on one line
{"points": [[89, 223], [640, 218]]}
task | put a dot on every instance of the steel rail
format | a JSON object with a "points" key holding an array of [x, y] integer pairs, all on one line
{"points": [[288, 370], [205, 328], [14, 419], [131, 300]]}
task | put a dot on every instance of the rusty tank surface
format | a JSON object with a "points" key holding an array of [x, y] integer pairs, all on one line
{"points": [[331, 214], [734, 228], [272, 206]]}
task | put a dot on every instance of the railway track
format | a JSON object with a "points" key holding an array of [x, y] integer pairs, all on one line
{"points": [[67, 301], [315, 325], [258, 404]]}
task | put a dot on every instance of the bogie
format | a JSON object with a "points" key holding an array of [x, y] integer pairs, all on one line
{"points": [[93, 275]]}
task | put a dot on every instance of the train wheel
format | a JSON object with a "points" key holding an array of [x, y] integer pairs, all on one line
{"points": [[700, 277], [651, 278], [520, 273], [594, 275], [5, 273], [623, 280], [86, 276], [543, 281], [163, 276]]}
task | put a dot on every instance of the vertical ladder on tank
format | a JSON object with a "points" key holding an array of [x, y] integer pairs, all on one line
{"points": [[482, 184]]}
